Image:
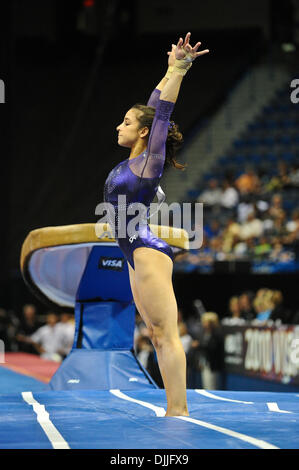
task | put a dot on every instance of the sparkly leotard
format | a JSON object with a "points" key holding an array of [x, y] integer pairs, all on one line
{"points": [[136, 180]]}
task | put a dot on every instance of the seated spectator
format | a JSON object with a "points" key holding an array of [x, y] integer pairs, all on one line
{"points": [[248, 182], [230, 196], [268, 222], [212, 195], [46, 340], [262, 249], [280, 253], [293, 225], [245, 207], [276, 207], [280, 180], [253, 227], [279, 228], [231, 234], [29, 323]]}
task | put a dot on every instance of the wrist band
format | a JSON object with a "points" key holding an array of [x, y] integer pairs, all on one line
{"points": [[182, 66], [169, 71]]}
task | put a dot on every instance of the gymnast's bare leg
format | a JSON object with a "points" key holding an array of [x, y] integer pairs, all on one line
{"points": [[152, 289]]}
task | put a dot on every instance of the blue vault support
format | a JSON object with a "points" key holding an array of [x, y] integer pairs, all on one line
{"points": [[102, 355]]}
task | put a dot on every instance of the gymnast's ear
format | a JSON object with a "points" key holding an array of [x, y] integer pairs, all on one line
{"points": [[144, 132]]}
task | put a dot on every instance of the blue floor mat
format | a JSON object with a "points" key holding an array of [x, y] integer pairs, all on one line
{"points": [[130, 420], [11, 382]]}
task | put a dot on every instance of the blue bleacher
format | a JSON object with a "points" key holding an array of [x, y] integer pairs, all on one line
{"points": [[272, 138]]}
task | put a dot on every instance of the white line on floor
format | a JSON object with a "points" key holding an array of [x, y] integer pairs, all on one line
{"points": [[216, 397], [43, 417], [158, 410], [274, 407]]}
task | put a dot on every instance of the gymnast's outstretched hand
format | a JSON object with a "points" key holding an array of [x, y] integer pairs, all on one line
{"points": [[184, 48], [171, 56]]}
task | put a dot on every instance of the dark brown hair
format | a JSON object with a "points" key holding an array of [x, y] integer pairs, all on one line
{"points": [[174, 138]]}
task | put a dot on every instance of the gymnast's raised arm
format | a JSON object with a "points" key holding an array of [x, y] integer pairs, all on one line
{"points": [[154, 98], [184, 56]]}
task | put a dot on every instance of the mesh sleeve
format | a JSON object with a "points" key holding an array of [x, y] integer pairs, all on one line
{"points": [[154, 98], [150, 164]]}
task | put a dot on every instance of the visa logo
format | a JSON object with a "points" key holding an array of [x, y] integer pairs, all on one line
{"points": [[111, 263]]}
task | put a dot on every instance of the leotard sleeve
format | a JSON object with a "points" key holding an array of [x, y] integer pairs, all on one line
{"points": [[154, 98], [150, 163]]}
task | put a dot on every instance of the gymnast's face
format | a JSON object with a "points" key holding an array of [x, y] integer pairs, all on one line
{"points": [[129, 131]]}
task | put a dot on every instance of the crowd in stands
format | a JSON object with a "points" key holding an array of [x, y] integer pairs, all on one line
{"points": [[253, 215], [202, 336], [264, 305], [50, 336]]}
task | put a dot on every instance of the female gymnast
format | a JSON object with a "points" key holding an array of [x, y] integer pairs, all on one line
{"points": [[144, 131]]}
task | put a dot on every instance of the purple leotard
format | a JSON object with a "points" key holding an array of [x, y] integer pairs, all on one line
{"points": [[138, 179]]}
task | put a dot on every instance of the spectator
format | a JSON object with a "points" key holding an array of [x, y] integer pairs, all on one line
{"points": [[28, 325], [139, 325], [211, 347], [212, 195], [262, 249], [253, 227], [263, 305], [233, 316], [280, 180], [231, 234], [46, 340], [293, 225], [246, 305], [66, 330], [234, 309], [143, 348], [146, 354], [244, 208], [230, 196], [183, 332], [248, 182], [276, 208], [279, 227], [268, 222]]}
